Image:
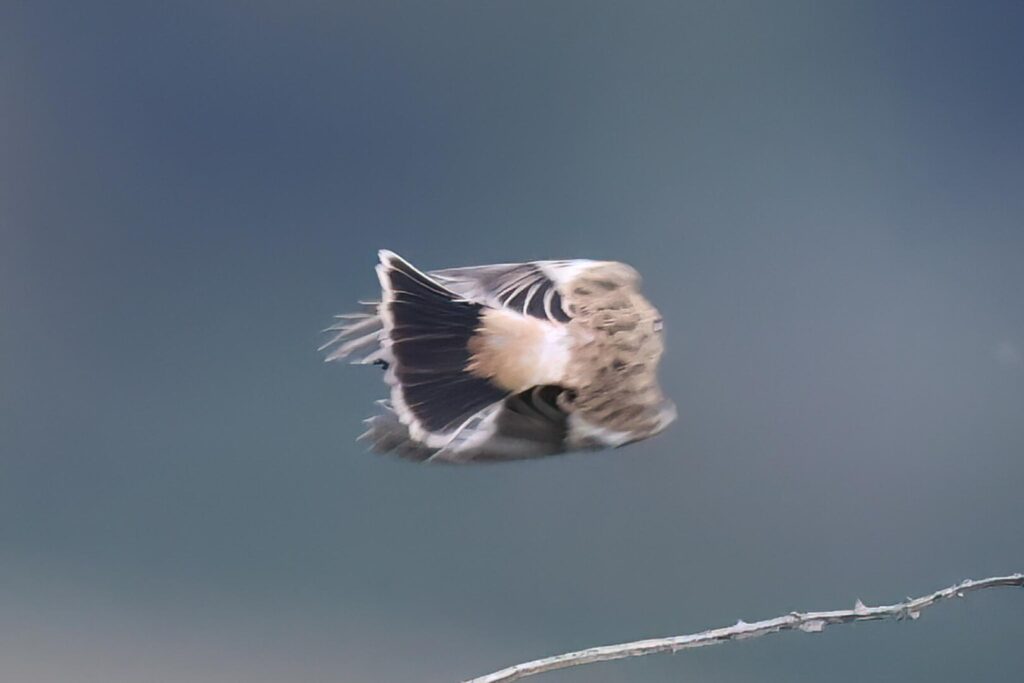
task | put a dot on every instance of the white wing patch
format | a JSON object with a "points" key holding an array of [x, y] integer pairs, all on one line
{"points": [[585, 434], [533, 288]]}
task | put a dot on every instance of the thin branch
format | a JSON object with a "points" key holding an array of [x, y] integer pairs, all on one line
{"points": [[808, 622]]}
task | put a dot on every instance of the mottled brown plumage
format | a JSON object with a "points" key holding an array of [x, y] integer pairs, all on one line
{"points": [[616, 347]]}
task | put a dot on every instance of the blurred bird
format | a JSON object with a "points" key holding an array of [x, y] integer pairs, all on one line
{"points": [[510, 361]]}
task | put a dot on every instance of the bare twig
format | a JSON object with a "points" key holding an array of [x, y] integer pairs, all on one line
{"points": [[808, 622]]}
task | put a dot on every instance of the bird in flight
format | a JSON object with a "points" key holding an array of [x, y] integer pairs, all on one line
{"points": [[509, 361]]}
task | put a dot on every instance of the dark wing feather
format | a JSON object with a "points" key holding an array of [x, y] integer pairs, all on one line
{"points": [[530, 424]]}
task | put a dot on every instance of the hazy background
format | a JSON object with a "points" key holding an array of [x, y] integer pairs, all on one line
{"points": [[825, 200]]}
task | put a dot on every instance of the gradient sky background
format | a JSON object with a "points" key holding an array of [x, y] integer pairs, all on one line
{"points": [[826, 202]]}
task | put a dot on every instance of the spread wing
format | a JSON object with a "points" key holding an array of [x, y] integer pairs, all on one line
{"points": [[529, 424], [532, 288]]}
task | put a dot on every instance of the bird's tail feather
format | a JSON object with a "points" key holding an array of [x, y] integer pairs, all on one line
{"points": [[426, 330]]}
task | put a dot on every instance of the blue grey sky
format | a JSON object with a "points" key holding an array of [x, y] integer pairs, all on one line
{"points": [[825, 200]]}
